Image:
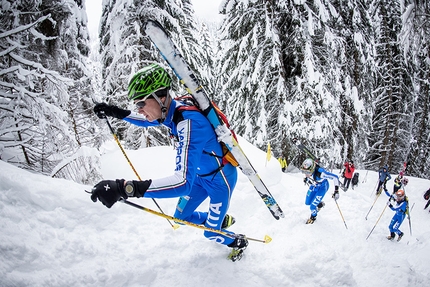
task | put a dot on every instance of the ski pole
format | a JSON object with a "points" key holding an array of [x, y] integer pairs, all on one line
{"points": [[375, 187], [340, 213], [372, 205], [174, 226], [365, 177], [378, 218], [266, 239]]}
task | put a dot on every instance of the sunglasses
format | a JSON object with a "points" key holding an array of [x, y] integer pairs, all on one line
{"points": [[140, 104]]}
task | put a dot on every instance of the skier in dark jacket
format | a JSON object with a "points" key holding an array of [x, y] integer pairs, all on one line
{"points": [[199, 172], [317, 177], [384, 176], [399, 216]]}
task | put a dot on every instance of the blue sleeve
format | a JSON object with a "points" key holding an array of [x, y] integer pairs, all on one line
{"points": [[328, 175], [388, 176], [401, 208], [139, 120]]}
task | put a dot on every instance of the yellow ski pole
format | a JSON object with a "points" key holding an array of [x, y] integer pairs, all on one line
{"points": [[378, 219], [174, 226], [266, 239], [341, 214]]}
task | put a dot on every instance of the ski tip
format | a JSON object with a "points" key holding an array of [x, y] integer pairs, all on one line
{"points": [[267, 239]]}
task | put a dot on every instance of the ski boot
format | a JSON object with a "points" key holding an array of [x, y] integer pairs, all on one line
{"points": [[228, 221], [238, 245], [320, 205], [400, 236], [391, 236], [311, 220]]}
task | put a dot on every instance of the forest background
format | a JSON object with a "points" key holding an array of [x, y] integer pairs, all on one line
{"points": [[349, 78]]}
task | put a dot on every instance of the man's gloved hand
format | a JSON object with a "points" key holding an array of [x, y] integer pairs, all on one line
{"points": [[336, 193], [102, 110], [305, 180], [110, 191], [390, 205]]}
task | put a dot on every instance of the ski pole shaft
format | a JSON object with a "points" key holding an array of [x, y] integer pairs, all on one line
{"points": [[372, 205], [376, 185], [341, 213], [378, 220], [174, 226], [266, 239]]}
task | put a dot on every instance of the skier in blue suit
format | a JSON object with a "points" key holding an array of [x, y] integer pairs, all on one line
{"points": [[200, 171], [317, 178], [399, 216]]}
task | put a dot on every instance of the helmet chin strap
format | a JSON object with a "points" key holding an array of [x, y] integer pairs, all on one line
{"points": [[162, 106]]}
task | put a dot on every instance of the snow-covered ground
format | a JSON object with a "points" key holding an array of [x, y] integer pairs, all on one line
{"points": [[52, 234]]}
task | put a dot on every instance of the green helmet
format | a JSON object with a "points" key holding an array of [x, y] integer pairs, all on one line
{"points": [[147, 81]]}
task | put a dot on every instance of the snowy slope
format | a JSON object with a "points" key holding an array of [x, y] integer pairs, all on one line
{"points": [[52, 234]]}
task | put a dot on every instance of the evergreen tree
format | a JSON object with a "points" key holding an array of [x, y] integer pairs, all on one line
{"points": [[251, 68], [43, 74], [125, 50], [416, 37], [389, 93]]}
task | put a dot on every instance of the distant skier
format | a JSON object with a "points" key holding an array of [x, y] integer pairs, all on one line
{"points": [[400, 209], [348, 172], [398, 182], [317, 177], [283, 163], [427, 197], [384, 176]]}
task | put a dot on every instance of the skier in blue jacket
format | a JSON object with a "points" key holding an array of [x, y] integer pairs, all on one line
{"points": [[199, 173], [384, 176], [317, 178], [399, 216]]}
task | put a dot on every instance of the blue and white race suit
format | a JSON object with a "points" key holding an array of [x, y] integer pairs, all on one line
{"points": [[318, 190], [196, 141], [400, 214]]}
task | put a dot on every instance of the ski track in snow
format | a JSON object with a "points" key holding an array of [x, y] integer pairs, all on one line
{"points": [[52, 234]]}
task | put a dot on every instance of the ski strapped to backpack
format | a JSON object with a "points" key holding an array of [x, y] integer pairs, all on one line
{"points": [[186, 76]]}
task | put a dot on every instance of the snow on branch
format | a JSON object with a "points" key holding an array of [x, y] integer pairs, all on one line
{"points": [[25, 27]]}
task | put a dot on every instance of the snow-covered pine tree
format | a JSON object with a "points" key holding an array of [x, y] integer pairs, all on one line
{"points": [[389, 91], [415, 38], [125, 50], [251, 69], [351, 52], [36, 128]]}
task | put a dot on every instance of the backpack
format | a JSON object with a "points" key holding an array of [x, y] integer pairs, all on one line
{"points": [[190, 104], [355, 178], [427, 195]]}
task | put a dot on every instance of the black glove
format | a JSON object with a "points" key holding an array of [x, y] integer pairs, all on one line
{"points": [[110, 191], [102, 110], [390, 205], [336, 194]]}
